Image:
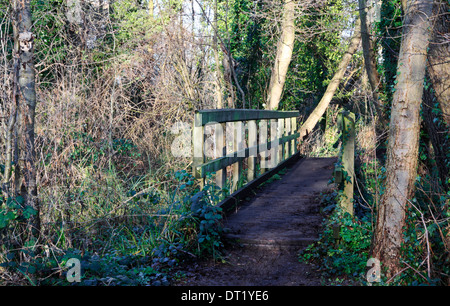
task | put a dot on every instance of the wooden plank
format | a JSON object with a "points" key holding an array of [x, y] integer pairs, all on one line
{"points": [[203, 117], [232, 201]]}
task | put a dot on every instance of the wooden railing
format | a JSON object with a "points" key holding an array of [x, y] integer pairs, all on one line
{"points": [[344, 169], [241, 145]]}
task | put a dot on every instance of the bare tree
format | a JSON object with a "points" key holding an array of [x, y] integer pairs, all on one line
{"points": [[320, 109], [402, 153], [284, 54]]}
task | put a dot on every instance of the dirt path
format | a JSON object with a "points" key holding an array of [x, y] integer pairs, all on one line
{"points": [[266, 233]]}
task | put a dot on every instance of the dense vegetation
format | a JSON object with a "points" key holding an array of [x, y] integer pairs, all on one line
{"points": [[114, 80]]}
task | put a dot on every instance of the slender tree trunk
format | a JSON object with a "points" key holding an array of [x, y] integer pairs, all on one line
{"points": [[284, 55], [218, 87], [151, 8], [320, 109], [439, 73], [439, 57], [27, 106], [368, 51], [76, 18], [437, 135], [402, 152]]}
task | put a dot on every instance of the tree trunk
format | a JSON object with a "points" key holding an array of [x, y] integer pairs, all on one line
{"points": [[402, 152], [439, 58], [284, 55], [76, 18], [437, 135], [320, 109], [27, 105], [218, 87], [368, 51]]}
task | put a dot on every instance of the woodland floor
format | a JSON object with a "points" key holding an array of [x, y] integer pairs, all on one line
{"points": [[266, 233]]}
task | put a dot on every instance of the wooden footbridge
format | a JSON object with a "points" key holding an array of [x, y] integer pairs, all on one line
{"points": [[239, 150]]}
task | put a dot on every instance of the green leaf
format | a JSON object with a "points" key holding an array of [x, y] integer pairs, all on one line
{"points": [[28, 212], [20, 200], [3, 221]]}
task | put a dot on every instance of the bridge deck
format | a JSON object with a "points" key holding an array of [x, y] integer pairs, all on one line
{"points": [[286, 211], [271, 228]]}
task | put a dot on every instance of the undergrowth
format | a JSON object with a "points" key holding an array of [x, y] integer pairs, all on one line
{"points": [[343, 249], [134, 236]]}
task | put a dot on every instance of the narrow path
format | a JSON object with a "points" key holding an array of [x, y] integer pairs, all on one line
{"points": [[267, 232]]}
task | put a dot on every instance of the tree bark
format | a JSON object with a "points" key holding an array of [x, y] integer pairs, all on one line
{"points": [[284, 55], [403, 141], [320, 109], [27, 105]]}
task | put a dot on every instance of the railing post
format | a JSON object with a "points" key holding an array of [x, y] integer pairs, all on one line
{"points": [[293, 131], [198, 140], [262, 148], [252, 142], [273, 139], [287, 131], [221, 175], [280, 135], [237, 145], [347, 126]]}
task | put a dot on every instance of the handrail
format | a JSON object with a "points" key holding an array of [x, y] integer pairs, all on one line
{"points": [[259, 137], [344, 169]]}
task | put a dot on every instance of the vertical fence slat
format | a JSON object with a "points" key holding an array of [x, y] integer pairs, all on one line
{"points": [[287, 132], [198, 140], [280, 135], [219, 141], [252, 142], [274, 148], [293, 131], [263, 145], [237, 145]]}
